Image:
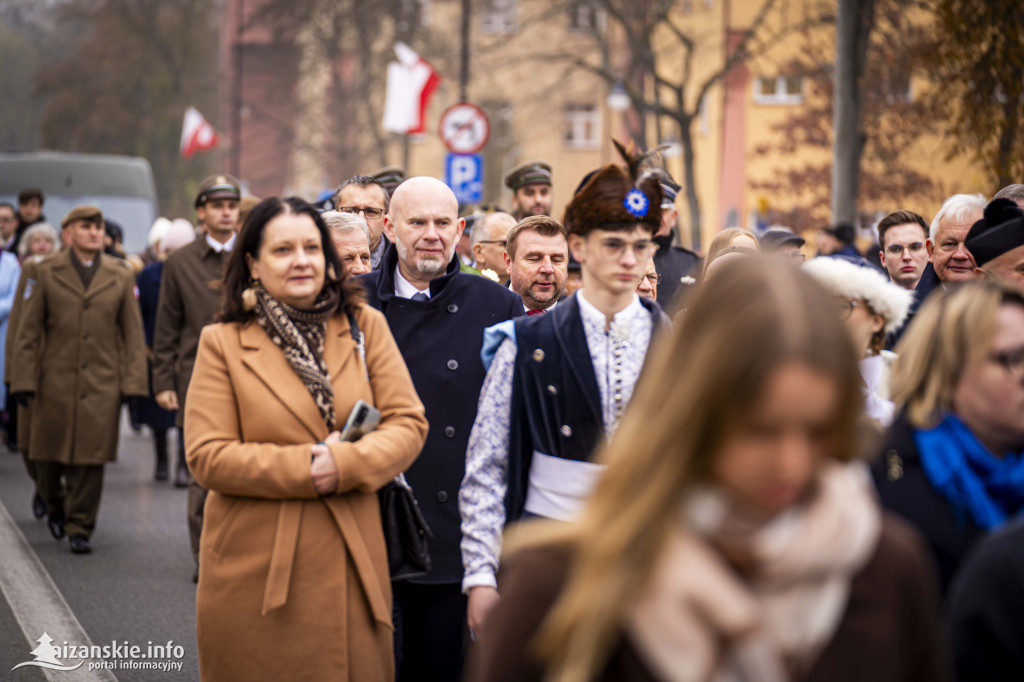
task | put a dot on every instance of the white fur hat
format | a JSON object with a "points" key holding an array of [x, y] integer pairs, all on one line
{"points": [[848, 280], [159, 229]]}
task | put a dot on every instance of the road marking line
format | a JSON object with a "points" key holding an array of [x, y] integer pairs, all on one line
{"points": [[37, 604]]}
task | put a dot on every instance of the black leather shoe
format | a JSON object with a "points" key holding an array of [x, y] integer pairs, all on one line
{"points": [[38, 506], [55, 522], [161, 473], [181, 477], [80, 544]]}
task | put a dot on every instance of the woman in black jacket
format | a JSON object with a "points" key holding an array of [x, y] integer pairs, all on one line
{"points": [[953, 464]]}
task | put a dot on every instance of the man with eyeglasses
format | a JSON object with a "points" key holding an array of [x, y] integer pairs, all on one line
{"points": [[488, 240], [902, 236], [558, 383], [365, 196], [648, 286]]}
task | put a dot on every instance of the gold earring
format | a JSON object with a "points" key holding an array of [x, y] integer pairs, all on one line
{"points": [[249, 298]]}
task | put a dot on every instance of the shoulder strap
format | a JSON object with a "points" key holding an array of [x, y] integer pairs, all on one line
{"points": [[360, 339]]}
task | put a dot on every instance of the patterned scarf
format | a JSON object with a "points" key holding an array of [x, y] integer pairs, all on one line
{"points": [[300, 335]]}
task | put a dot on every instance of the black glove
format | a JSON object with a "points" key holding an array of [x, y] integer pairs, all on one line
{"points": [[22, 397]]}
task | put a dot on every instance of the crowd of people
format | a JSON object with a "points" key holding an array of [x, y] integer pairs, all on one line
{"points": [[635, 462]]}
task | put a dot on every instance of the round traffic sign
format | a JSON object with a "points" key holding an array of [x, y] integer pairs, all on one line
{"points": [[464, 128]]}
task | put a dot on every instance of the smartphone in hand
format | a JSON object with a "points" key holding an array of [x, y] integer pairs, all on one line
{"points": [[363, 418]]}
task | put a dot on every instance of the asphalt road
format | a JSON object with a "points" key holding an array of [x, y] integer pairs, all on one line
{"points": [[136, 586]]}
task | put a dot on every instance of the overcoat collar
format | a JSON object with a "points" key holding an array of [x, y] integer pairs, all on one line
{"points": [[262, 356], [65, 273], [386, 280]]}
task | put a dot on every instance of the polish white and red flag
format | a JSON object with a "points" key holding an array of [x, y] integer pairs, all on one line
{"points": [[197, 135], [410, 84]]}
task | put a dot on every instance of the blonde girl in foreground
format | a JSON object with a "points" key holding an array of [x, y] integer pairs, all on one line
{"points": [[731, 538]]}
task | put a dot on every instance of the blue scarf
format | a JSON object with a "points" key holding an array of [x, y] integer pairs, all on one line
{"points": [[968, 475]]}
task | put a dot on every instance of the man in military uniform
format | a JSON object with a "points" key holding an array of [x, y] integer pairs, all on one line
{"points": [[189, 298], [389, 177], [677, 265], [79, 352], [531, 189]]}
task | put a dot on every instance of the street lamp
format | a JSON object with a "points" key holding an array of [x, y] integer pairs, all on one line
{"points": [[618, 98]]}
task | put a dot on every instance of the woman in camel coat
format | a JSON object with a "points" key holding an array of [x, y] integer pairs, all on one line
{"points": [[294, 579]]}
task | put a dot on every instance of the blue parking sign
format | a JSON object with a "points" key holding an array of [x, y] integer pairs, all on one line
{"points": [[464, 173]]}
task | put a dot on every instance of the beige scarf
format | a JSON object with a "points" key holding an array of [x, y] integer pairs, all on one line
{"points": [[699, 620]]}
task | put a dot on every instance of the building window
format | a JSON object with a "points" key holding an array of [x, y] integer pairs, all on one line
{"points": [[582, 126], [499, 16], [583, 16], [779, 90]]}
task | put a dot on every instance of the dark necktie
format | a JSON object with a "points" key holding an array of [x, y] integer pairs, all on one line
{"points": [[420, 296]]}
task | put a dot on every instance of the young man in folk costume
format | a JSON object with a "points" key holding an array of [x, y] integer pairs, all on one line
{"points": [[559, 383]]}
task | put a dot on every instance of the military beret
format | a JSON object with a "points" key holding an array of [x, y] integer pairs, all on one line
{"points": [[90, 213], [527, 174], [1000, 230], [220, 186], [389, 176]]}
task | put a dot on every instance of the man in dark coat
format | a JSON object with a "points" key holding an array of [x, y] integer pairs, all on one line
{"points": [[30, 212], [677, 265], [437, 316], [985, 607], [189, 298], [559, 383], [79, 352]]}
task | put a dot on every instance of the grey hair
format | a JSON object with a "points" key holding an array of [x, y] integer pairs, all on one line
{"points": [[480, 231], [38, 230], [958, 207], [345, 222], [1013, 192]]}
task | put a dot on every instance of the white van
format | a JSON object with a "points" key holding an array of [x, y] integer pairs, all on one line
{"points": [[122, 186]]}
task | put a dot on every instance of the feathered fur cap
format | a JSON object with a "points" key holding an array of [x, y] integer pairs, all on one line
{"points": [[616, 198], [843, 278]]}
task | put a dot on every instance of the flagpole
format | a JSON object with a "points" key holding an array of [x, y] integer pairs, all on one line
{"points": [[236, 94]]}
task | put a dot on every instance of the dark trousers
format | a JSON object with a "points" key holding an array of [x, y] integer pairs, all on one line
{"points": [[430, 629], [79, 498]]}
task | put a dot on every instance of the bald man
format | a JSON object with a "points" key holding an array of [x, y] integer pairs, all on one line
{"points": [[437, 315]]}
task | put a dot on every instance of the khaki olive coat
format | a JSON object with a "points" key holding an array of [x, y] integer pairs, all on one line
{"points": [[293, 586], [80, 351]]}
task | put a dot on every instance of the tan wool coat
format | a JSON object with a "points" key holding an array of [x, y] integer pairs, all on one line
{"points": [[293, 586], [80, 351]]}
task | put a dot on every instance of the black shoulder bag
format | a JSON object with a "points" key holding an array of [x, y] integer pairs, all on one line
{"points": [[405, 529]]}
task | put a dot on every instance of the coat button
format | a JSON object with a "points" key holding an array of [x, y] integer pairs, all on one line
{"points": [[82, 396], [538, 355], [552, 390], [85, 306], [449, 431], [452, 308], [442, 496], [453, 364], [85, 336], [566, 430]]}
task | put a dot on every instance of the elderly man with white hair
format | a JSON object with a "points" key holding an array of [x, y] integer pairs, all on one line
{"points": [[351, 237], [950, 263]]}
